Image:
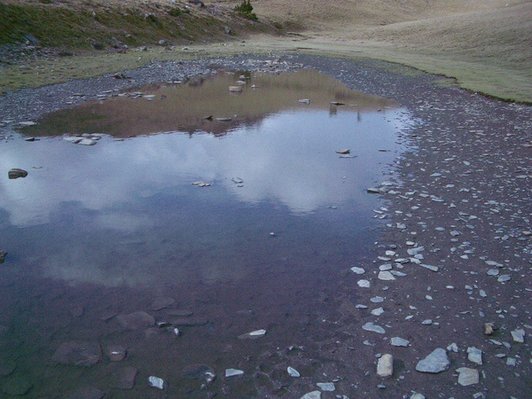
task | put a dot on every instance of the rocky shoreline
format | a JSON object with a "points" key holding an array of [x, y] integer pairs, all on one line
{"points": [[454, 252]]}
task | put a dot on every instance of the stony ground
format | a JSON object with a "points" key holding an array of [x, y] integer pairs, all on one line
{"points": [[449, 276]]}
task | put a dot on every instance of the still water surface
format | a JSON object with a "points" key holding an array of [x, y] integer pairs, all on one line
{"points": [[97, 231]]}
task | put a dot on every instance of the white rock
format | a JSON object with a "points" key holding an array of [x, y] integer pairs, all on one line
{"points": [[385, 365], [87, 142], [358, 270], [377, 312], [436, 362], [233, 372], [156, 382], [292, 372], [369, 326]]}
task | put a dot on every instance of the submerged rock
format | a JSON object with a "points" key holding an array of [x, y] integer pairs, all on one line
{"points": [[87, 393], [436, 362], [78, 353], [135, 320]]}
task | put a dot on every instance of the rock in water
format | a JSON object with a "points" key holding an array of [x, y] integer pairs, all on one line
{"points": [[15, 173], [467, 376], [156, 382], [436, 362], [385, 366], [78, 353], [136, 320], [3, 255], [343, 151]]}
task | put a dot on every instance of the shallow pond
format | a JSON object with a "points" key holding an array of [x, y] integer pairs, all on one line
{"points": [[218, 212]]}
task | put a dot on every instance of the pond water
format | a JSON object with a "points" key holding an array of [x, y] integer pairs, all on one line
{"points": [[217, 212]]}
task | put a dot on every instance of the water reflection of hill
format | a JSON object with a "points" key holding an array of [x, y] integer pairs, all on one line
{"points": [[184, 107]]}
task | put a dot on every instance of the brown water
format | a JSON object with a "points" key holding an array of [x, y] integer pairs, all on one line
{"points": [[98, 231]]}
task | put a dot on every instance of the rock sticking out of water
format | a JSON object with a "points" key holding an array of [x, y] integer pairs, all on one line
{"points": [[135, 320], [156, 382], [78, 353], [235, 89], [304, 101], [199, 372], [436, 362], [385, 365], [467, 376], [16, 173]]}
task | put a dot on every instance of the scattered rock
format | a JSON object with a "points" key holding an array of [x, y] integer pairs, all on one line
{"points": [[326, 386], [253, 334], [312, 395], [357, 270], [363, 283], [385, 366], [489, 328], [474, 355], [518, 335], [156, 382], [436, 362], [233, 373], [385, 276], [369, 326], [78, 353], [467, 376], [292, 372], [135, 320], [16, 173], [397, 341]]}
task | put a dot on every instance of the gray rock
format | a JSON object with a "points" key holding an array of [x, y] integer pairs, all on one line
{"points": [[253, 334], [385, 276], [385, 365], [312, 395], [363, 283], [436, 362], [357, 270], [369, 326], [3, 255], [292, 372], [518, 335], [78, 353], [397, 341], [135, 320], [467, 376], [474, 355], [504, 278], [326, 386], [15, 173]]}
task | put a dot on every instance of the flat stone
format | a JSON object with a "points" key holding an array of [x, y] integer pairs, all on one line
{"points": [[312, 395], [385, 365], [87, 142], [78, 353], [474, 355], [504, 278], [292, 372], [369, 326], [377, 312], [116, 353], [87, 393], [125, 378], [162, 303], [233, 373], [385, 276], [363, 283], [518, 335], [467, 376], [430, 267], [397, 341], [156, 382], [326, 386], [436, 362], [358, 270], [135, 320]]}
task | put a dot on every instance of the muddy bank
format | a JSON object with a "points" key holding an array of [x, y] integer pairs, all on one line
{"points": [[461, 192]]}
